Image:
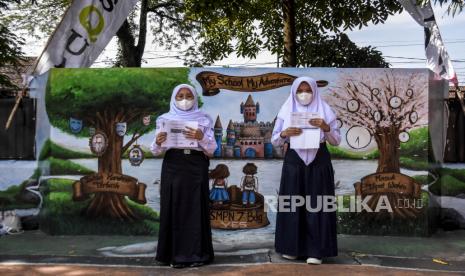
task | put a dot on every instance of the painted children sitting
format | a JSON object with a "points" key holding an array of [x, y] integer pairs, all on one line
{"points": [[218, 193], [249, 184]]}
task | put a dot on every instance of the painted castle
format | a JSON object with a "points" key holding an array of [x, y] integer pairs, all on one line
{"points": [[247, 139]]}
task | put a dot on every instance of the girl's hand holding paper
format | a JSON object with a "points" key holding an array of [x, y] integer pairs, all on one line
{"points": [[318, 122], [192, 133]]}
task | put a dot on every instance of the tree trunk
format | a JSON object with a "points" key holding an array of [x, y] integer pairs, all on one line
{"points": [[290, 56], [107, 204], [388, 142], [110, 161], [131, 54]]}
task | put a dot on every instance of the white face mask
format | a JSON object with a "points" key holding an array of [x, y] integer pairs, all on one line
{"points": [[304, 98], [185, 104]]}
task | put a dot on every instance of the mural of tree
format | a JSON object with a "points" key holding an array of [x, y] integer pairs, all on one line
{"points": [[103, 98], [382, 105]]}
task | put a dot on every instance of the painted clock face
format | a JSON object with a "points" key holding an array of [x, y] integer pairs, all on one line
{"points": [[353, 105], [377, 116], [339, 123], [413, 117], [409, 92], [404, 136], [375, 91], [358, 137], [395, 102]]}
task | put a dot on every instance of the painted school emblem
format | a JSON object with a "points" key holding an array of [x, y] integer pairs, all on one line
{"points": [[136, 156]]}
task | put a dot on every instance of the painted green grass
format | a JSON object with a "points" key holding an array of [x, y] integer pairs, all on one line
{"points": [[61, 215], [340, 153], [9, 198], [417, 146], [422, 179], [414, 164], [448, 185], [66, 167], [54, 150], [352, 223], [9, 201], [451, 182], [457, 173]]}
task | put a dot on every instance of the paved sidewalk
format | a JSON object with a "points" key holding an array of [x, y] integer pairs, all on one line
{"points": [[138, 251], [257, 269]]}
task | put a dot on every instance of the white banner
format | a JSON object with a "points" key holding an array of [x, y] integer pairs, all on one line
{"points": [[85, 30], [437, 58]]}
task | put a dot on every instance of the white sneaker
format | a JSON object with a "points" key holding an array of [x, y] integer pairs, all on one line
{"points": [[289, 257], [314, 261]]}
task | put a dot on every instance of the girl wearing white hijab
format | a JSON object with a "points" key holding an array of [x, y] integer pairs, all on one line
{"points": [[185, 234], [307, 173]]}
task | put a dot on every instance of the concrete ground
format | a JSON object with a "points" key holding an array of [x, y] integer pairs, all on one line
{"points": [[34, 253], [256, 269]]}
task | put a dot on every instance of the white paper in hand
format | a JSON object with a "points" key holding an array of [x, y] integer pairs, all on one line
{"points": [[302, 119], [175, 134], [309, 139]]}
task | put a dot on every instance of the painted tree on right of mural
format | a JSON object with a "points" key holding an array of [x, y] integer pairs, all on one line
{"points": [[384, 106]]}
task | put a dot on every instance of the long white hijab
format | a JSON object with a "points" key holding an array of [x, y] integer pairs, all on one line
{"points": [[193, 114], [318, 105]]}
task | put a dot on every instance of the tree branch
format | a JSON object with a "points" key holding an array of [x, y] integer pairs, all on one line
{"points": [[135, 136], [164, 15], [169, 4]]}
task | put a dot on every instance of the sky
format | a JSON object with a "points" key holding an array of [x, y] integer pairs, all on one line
{"points": [[399, 38]]}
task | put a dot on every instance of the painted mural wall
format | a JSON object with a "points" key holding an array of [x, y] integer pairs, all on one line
{"points": [[95, 168]]}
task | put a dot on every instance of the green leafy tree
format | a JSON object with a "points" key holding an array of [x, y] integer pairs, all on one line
{"points": [[454, 6], [165, 20], [340, 51], [102, 98], [10, 47], [291, 29], [216, 29]]}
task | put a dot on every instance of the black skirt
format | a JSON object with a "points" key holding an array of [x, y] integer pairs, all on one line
{"points": [[303, 233], [185, 232]]}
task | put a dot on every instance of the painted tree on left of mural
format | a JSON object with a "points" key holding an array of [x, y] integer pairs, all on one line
{"points": [[102, 99]]}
